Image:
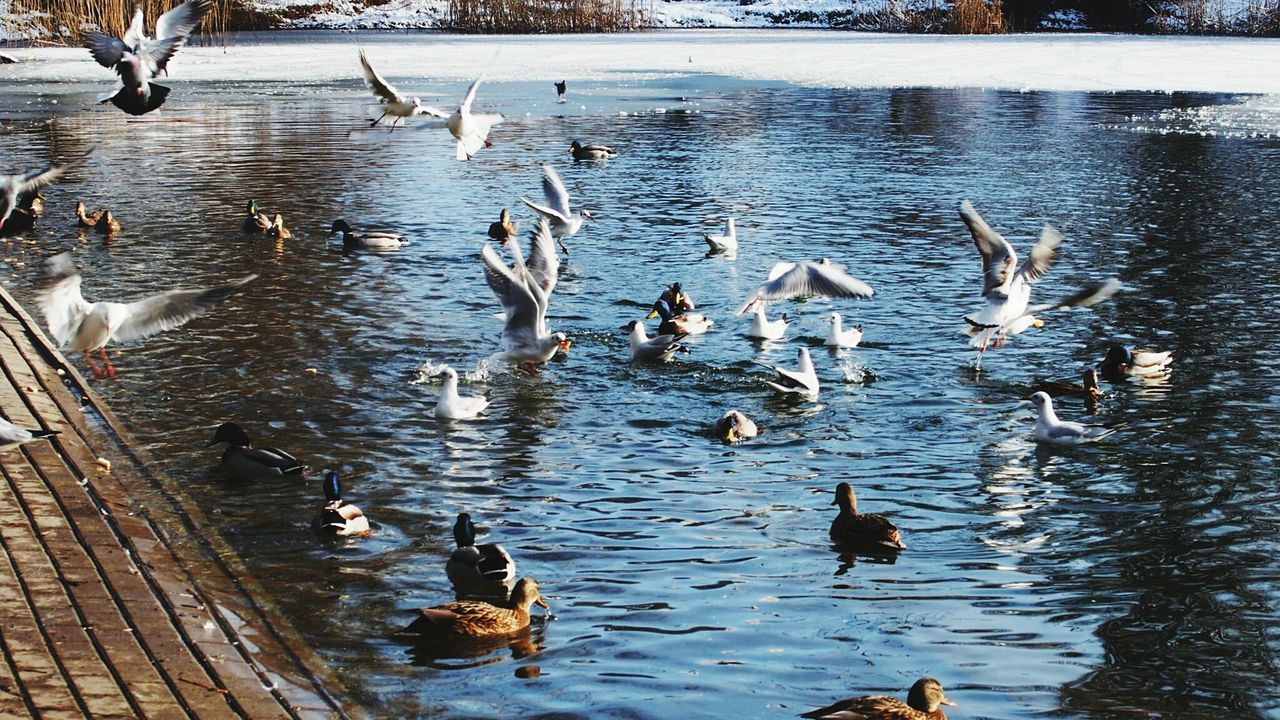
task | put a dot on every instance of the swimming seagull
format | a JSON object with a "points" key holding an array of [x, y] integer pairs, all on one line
{"points": [[726, 243], [452, 406], [138, 58], [764, 328], [839, 337], [803, 380], [11, 436], [807, 279], [1049, 429], [13, 187], [643, 347], [561, 219], [526, 337], [77, 324], [397, 105]]}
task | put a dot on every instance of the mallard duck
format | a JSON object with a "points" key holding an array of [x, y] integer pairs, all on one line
{"points": [[734, 427], [1063, 388], [801, 381], [922, 703], [241, 458], [377, 240], [839, 337], [764, 328], [1121, 363], [660, 347], [452, 406], [107, 224], [11, 436], [478, 569], [1049, 429], [338, 517], [676, 298], [504, 229], [255, 221], [88, 219], [476, 619], [684, 324], [853, 527], [591, 152], [278, 229]]}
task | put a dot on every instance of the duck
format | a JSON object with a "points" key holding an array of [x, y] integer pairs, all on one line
{"points": [[1065, 388], [676, 298], [734, 427], [88, 219], [562, 87], [478, 569], [1122, 363], [726, 243], [582, 152], [684, 324], [107, 224], [241, 458], [452, 406], [278, 229], [856, 528], [764, 328], [802, 381], [377, 240], [255, 221], [1052, 431], [839, 337], [504, 229], [923, 701], [660, 347], [465, 619], [11, 436], [338, 517]]}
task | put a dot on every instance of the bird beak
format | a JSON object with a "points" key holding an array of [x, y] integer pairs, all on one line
{"points": [[1037, 323], [652, 314], [542, 604], [215, 442], [731, 436], [565, 345], [1025, 398], [947, 702]]}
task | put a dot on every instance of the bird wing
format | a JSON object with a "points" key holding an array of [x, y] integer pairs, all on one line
{"points": [[517, 299], [553, 189], [470, 97], [60, 300], [172, 309], [182, 20], [810, 278], [434, 112], [135, 35], [544, 210], [106, 50], [998, 257], [1088, 295], [383, 89], [36, 179], [544, 261], [1042, 255]]}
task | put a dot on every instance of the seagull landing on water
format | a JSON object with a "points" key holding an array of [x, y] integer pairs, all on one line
{"points": [[137, 58], [643, 347], [807, 279], [524, 291], [13, 187], [1049, 429], [563, 222], [801, 381], [1008, 291], [726, 243], [398, 106]]}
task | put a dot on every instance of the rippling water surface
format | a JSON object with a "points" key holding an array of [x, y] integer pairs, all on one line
{"points": [[1136, 578]]}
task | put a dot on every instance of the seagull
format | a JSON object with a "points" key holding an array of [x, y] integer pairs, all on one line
{"points": [[452, 406], [7, 59], [726, 243], [397, 105], [13, 187], [802, 381], [471, 129], [561, 88], [138, 58], [807, 279], [11, 436], [762, 327], [523, 293], [1049, 429], [78, 324], [563, 222], [661, 348], [591, 152], [839, 337]]}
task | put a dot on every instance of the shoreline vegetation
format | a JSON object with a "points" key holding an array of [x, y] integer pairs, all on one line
{"points": [[62, 22]]}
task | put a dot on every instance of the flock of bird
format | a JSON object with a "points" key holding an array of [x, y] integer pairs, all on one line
{"points": [[491, 602]]}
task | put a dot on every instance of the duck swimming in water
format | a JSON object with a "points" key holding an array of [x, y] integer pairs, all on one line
{"points": [[339, 517], [856, 528], [923, 701], [465, 619], [734, 427], [478, 569], [1065, 388], [242, 458], [683, 324], [373, 240], [1122, 363], [582, 152]]}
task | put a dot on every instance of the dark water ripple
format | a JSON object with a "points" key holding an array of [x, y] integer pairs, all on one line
{"points": [[689, 579]]}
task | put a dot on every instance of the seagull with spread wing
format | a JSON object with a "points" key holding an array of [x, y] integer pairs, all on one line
{"points": [[807, 279], [563, 221], [78, 324], [137, 58], [14, 187], [397, 105], [524, 291]]}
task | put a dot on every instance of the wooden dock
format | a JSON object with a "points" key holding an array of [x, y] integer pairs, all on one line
{"points": [[115, 600]]}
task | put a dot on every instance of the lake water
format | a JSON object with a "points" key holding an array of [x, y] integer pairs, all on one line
{"points": [[1135, 578]]}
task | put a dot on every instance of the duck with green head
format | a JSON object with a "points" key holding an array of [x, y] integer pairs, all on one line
{"points": [[242, 458]]}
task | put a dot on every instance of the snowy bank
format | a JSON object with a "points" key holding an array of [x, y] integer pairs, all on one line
{"points": [[816, 58]]}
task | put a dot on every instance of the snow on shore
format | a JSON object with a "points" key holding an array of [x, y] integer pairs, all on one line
{"points": [[818, 58]]}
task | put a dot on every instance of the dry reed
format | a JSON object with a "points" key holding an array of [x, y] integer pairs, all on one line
{"points": [[66, 21], [976, 17], [545, 16]]}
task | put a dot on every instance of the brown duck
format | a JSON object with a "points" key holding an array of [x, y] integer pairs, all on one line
{"points": [[476, 619], [86, 219], [853, 527], [1065, 388], [504, 229], [922, 703]]}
